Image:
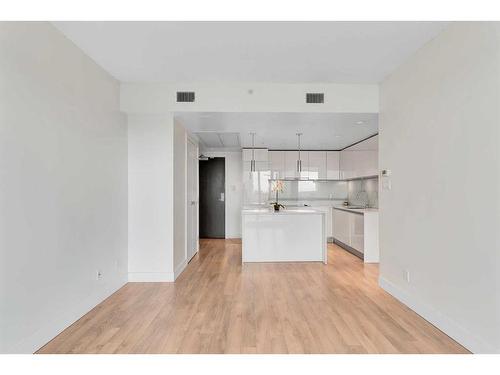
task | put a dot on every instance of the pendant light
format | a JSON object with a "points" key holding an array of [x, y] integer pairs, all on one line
{"points": [[299, 161], [252, 162]]}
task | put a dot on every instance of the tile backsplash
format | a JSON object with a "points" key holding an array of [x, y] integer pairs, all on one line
{"points": [[312, 190], [357, 192], [363, 192]]}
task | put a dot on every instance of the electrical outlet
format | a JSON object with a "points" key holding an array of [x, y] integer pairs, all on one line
{"points": [[98, 275], [407, 276], [117, 264]]}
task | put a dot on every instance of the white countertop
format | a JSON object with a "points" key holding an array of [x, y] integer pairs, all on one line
{"points": [[270, 211], [357, 210]]}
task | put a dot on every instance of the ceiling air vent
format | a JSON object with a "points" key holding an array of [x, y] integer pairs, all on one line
{"points": [[316, 97], [185, 96]]}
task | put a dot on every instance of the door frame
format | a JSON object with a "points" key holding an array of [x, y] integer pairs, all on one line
{"points": [[219, 155], [225, 156], [196, 182]]}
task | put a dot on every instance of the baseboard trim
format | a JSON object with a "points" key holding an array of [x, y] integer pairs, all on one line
{"points": [[150, 277], [436, 318], [180, 267], [60, 322], [349, 249]]}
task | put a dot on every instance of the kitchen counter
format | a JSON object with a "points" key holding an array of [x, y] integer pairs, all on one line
{"points": [[356, 210], [356, 230], [289, 235], [286, 211]]}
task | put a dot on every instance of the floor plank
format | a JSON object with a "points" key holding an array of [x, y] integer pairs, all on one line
{"points": [[219, 305]]}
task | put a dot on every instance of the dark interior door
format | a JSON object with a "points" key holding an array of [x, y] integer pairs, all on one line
{"points": [[212, 199]]}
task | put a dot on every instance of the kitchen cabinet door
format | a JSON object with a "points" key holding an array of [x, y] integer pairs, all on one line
{"points": [[328, 219], [291, 158], [333, 165], [260, 154], [329, 222], [247, 154], [348, 162], [370, 163], [341, 226], [360, 160], [277, 164], [316, 165], [357, 231], [255, 184], [260, 166]]}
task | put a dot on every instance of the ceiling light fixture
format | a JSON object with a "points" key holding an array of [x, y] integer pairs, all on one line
{"points": [[360, 122]]}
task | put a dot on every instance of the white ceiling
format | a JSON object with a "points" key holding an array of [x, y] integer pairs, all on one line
{"points": [[340, 52], [219, 140], [321, 131]]}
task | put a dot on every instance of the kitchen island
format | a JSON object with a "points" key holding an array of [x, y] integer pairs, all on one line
{"points": [[289, 235]]}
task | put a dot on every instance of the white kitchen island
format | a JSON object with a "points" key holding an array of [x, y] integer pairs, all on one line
{"points": [[290, 235]]}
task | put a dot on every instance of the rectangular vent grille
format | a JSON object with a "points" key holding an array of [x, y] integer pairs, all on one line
{"points": [[315, 97], [185, 96]]}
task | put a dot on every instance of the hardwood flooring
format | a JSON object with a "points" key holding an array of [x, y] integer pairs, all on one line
{"points": [[219, 305]]}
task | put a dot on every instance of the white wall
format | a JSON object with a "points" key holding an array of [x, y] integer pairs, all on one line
{"points": [[180, 199], [235, 97], [439, 135], [63, 185], [157, 198], [233, 192], [150, 199]]}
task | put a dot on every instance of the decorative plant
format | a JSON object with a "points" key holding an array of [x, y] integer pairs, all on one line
{"points": [[277, 187]]}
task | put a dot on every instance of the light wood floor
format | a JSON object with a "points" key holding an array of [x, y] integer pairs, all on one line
{"points": [[219, 306]]}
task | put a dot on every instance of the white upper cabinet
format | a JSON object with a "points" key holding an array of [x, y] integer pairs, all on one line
{"points": [[260, 166], [261, 154], [317, 165], [291, 158], [277, 164], [332, 165], [360, 160], [349, 165]]}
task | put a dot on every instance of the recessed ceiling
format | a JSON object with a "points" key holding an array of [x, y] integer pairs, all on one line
{"points": [[323, 52], [218, 140], [321, 131]]}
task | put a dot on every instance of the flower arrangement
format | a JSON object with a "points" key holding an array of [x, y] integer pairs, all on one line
{"points": [[277, 187]]}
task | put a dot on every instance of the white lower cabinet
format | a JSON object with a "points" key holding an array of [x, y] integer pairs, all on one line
{"points": [[328, 216], [348, 228], [341, 227], [357, 226]]}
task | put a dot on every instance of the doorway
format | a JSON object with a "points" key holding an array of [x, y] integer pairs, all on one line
{"points": [[212, 177]]}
